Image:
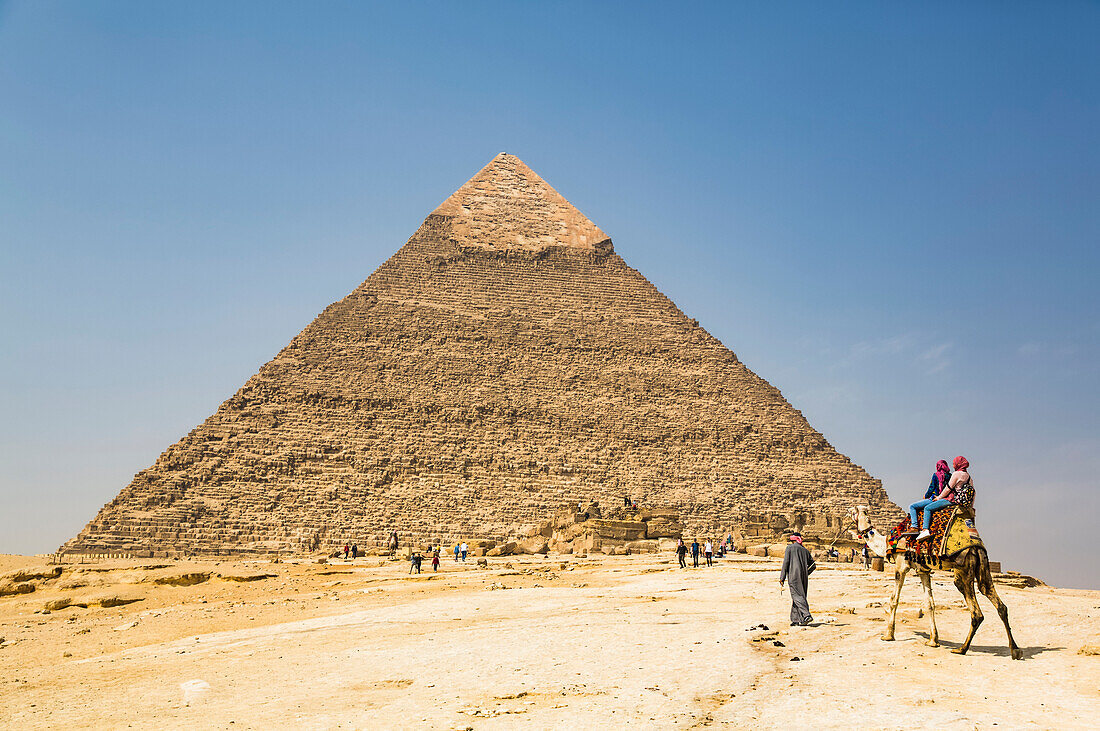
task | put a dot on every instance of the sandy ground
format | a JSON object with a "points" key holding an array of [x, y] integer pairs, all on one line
{"points": [[530, 642]]}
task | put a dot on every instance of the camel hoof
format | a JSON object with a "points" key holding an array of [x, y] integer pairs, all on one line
{"points": [[884, 638], [1017, 654], [932, 643], [958, 650]]}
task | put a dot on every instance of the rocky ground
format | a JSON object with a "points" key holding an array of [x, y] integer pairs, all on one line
{"points": [[525, 642]]}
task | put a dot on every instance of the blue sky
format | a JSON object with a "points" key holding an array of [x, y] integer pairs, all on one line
{"points": [[889, 211]]}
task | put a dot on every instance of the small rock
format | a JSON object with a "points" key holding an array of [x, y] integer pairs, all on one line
{"points": [[186, 579], [10, 589], [777, 643], [796, 658], [246, 577], [1089, 650], [117, 601], [43, 574]]}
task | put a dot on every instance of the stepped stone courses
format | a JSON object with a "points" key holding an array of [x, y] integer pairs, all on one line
{"points": [[502, 364]]}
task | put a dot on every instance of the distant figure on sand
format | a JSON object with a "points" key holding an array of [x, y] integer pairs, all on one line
{"points": [[695, 553], [435, 560], [708, 551], [464, 551], [457, 549], [347, 549], [798, 564], [393, 543], [354, 551], [681, 553], [415, 560]]}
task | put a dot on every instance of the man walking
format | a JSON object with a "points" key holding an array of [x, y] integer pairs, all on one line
{"points": [[464, 551], [695, 553], [798, 564], [708, 551], [681, 553]]}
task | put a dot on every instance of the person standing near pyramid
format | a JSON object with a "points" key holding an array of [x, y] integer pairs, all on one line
{"points": [[798, 564]]}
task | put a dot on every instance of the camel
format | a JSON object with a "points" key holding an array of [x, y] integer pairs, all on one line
{"points": [[971, 568]]}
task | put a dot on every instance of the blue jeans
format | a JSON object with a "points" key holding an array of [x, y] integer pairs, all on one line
{"points": [[930, 506]]}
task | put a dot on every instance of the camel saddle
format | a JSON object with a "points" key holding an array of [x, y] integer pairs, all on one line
{"points": [[953, 531]]}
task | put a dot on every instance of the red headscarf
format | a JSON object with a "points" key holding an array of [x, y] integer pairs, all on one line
{"points": [[961, 463], [943, 472]]}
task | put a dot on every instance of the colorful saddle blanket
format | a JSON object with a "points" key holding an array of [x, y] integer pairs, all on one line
{"points": [[952, 531]]}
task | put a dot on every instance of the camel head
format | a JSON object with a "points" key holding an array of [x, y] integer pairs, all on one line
{"points": [[864, 532]]}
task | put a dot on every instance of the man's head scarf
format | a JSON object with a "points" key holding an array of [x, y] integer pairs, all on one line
{"points": [[961, 463], [797, 537]]}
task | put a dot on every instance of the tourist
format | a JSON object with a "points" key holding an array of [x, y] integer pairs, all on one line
{"points": [[414, 563], [708, 551], [798, 564], [354, 551], [435, 560], [695, 553], [457, 549], [465, 550], [347, 549], [866, 557], [943, 493], [681, 552]]}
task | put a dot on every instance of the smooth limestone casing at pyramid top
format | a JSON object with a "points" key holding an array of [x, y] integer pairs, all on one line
{"points": [[503, 363]]}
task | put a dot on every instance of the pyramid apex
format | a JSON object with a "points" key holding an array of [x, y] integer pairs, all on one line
{"points": [[506, 206]]}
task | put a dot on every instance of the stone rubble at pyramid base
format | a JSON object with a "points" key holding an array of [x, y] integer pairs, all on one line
{"points": [[581, 530]]}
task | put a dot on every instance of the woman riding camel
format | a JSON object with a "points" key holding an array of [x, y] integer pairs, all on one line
{"points": [[940, 494]]}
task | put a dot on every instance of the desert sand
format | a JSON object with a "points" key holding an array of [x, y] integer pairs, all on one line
{"points": [[532, 642]]}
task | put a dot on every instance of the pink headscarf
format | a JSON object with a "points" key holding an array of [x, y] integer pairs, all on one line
{"points": [[798, 539], [961, 463], [942, 472]]}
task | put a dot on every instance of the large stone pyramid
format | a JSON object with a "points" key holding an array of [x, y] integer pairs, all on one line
{"points": [[503, 363]]}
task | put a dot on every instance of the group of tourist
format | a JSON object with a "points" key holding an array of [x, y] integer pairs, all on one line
{"points": [[416, 559], [942, 492], [707, 549]]}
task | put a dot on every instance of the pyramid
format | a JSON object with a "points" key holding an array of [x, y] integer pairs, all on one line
{"points": [[505, 362]]}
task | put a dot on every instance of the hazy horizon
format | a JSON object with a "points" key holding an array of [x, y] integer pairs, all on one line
{"points": [[887, 213]]}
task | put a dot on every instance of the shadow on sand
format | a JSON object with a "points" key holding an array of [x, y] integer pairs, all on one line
{"points": [[998, 650]]}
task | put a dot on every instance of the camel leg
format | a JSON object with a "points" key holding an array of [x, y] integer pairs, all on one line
{"points": [[926, 582], [901, 568], [964, 582], [985, 585]]}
